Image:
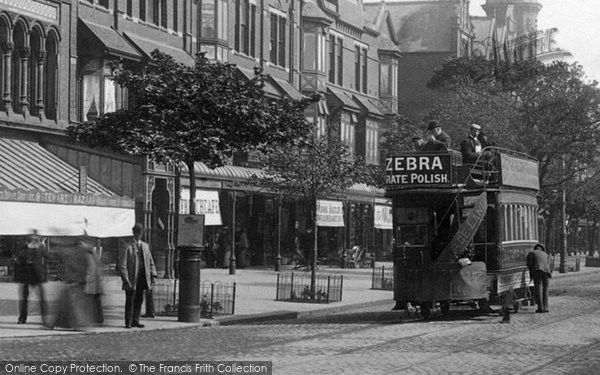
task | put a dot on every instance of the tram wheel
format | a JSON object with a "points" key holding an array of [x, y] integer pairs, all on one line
{"points": [[411, 310], [445, 308], [425, 310]]}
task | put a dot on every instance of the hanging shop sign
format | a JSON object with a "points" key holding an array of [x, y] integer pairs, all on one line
{"points": [[418, 169], [207, 204], [330, 213], [383, 217]]}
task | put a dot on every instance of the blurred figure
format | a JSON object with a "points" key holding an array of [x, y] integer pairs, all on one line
{"points": [[93, 284], [31, 270]]}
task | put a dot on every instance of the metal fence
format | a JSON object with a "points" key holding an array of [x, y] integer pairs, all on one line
{"points": [[296, 288], [216, 298], [383, 278]]}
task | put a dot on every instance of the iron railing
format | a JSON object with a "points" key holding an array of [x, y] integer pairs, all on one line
{"points": [[296, 288], [216, 298], [383, 278]]}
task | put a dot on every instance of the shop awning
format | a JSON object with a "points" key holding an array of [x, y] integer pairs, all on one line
{"points": [[268, 88], [368, 105], [288, 88], [146, 46], [228, 172], [343, 99], [94, 38], [40, 192]]}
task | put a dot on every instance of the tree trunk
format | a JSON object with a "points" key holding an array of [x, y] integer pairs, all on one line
{"points": [[313, 271], [592, 239]]}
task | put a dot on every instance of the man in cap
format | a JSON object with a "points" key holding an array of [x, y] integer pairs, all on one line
{"points": [[138, 273], [438, 140], [471, 147]]}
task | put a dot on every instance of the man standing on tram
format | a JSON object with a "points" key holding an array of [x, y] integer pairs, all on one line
{"points": [[438, 140]]}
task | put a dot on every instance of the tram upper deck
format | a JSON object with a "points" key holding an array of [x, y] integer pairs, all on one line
{"points": [[444, 170]]}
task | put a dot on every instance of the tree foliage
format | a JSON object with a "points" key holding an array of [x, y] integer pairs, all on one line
{"points": [[547, 111], [183, 113], [315, 167]]}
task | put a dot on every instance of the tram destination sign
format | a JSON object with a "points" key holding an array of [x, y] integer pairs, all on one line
{"points": [[418, 169]]}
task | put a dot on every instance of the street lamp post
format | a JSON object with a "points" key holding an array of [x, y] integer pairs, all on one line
{"points": [[562, 268], [278, 259], [233, 229], [563, 231]]}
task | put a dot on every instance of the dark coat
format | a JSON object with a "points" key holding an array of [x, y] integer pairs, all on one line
{"points": [[539, 260], [467, 148], [31, 265], [444, 138], [128, 265]]}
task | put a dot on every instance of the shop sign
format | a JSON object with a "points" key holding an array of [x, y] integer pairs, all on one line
{"points": [[330, 213], [190, 231], [383, 217], [65, 198], [207, 204], [519, 172], [418, 169]]}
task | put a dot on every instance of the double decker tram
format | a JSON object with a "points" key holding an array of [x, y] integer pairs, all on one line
{"points": [[462, 232]]}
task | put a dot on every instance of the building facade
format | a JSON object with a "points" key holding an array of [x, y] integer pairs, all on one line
{"points": [[58, 61]]}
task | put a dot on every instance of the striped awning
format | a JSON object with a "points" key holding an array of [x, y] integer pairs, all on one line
{"points": [[40, 192]]}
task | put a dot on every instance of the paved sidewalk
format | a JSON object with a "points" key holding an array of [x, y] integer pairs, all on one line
{"points": [[255, 301]]}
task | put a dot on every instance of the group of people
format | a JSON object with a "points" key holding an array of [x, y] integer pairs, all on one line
{"points": [[438, 140], [79, 303]]}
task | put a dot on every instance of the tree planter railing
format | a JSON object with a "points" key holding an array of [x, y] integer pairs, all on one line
{"points": [[216, 298], [383, 278], [295, 287]]}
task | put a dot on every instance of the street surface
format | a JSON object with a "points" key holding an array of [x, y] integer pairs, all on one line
{"points": [[369, 340]]}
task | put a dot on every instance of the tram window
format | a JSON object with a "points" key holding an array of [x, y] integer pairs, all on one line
{"points": [[412, 235]]}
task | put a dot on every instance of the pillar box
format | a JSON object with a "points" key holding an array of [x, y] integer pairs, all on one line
{"points": [[190, 238]]}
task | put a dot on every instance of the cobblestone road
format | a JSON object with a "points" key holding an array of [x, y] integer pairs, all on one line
{"points": [[369, 341]]}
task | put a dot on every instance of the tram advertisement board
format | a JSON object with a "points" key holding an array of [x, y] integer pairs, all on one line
{"points": [[418, 169]]}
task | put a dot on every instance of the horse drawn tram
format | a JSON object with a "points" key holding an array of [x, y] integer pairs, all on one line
{"points": [[462, 232]]}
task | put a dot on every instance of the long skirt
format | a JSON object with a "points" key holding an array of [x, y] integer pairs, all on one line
{"points": [[75, 308]]}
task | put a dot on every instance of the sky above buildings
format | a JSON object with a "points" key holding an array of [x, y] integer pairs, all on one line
{"points": [[578, 22]]}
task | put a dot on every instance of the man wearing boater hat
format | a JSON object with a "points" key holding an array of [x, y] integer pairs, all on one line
{"points": [[471, 147]]}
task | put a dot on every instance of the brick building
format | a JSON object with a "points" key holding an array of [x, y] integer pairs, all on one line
{"points": [[56, 70]]}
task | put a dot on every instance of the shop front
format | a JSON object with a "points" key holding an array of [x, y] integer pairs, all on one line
{"points": [[39, 193]]}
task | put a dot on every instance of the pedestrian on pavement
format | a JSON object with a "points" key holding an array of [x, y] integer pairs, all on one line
{"points": [[31, 270], [138, 273], [93, 284], [538, 262]]}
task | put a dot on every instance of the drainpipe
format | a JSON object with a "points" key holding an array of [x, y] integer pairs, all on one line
{"points": [[292, 54], [262, 34]]}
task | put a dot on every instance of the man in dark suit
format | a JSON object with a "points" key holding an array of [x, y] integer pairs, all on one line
{"points": [[438, 140], [538, 262], [138, 273], [471, 147], [31, 269]]}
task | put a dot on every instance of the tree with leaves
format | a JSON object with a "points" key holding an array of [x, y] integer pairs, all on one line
{"points": [[547, 111], [183, 114], [314, 168]]}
